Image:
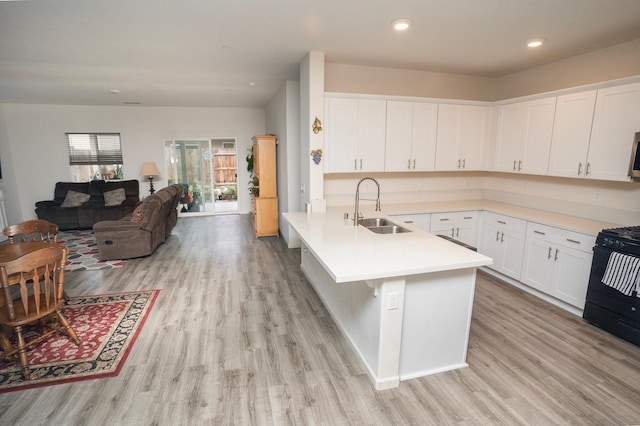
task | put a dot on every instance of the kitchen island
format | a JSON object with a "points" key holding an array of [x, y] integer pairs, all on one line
{"points": [[403, 301]]}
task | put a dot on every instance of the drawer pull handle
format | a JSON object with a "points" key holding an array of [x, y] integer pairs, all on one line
{"points": [[573, 241], [502, 222], [556, 256], [549, 254], [444, 219], [468, 217], [538, 232], [408, 221], [497, 235]]}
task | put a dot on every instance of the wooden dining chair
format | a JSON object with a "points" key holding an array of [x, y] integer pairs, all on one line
{"points": [[32, 231], [38, 280]]}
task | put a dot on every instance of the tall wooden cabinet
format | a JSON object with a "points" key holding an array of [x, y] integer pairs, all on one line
{"points": [[265, 202]]}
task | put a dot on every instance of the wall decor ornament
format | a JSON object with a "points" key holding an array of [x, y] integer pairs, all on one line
{"points": [[317, 126], [317, 156]]}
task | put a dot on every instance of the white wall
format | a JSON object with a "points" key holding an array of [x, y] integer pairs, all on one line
{"points": [[36, 144], [283, 120]]}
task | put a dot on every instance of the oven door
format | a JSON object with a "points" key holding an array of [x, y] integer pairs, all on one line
{"points": [[607, 297]]}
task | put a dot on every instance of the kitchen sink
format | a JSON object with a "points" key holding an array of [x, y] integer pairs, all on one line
{"points": [[381, 225], [375, 221]]}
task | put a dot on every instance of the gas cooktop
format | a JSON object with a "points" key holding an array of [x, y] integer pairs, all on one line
{"points": [[627, 232]]}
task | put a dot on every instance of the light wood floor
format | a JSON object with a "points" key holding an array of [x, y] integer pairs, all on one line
{"points": [[238, 336]]}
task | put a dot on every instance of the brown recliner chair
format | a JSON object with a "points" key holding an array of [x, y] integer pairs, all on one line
{"points": [[141, 232]]}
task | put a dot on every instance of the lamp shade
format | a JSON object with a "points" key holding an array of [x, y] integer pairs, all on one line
{"points": [[149, 169]]}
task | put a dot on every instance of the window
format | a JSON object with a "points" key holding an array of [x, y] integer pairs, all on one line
{"points": [[95, 156]]}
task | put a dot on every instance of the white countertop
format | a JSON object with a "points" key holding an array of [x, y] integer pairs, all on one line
{"points": [[570, 223], [354, 253]]}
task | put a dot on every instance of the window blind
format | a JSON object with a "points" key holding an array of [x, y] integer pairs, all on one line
{"points": [[94, 148]]}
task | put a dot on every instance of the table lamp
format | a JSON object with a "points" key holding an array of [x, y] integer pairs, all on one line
{"points": [[150, 171]]}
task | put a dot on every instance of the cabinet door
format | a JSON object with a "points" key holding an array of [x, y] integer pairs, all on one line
{"points": [[372, 119], [513, 249], [473, 128], [448, 138], [399, 136], [571, 275], [537, 269], [615, 121], [536, 146], [423, 136], [571, 133], [265, 220], [342, 135], [490, 245], [512, 126]]}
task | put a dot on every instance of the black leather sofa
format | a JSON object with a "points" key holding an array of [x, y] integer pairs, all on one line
{"points": [[91, 211]]}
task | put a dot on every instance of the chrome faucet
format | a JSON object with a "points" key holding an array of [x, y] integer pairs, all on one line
{"points": [[357, 215]]}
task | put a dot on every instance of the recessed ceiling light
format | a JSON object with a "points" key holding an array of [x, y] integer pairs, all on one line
{"points": [[401, 24], [252, 84], [536, 42], [114, 91]]}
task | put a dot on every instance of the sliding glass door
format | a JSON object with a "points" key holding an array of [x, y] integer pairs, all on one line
{"points": [[207, 169]]}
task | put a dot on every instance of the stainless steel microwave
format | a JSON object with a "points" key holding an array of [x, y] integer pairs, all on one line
{"points": [[634, 166]]}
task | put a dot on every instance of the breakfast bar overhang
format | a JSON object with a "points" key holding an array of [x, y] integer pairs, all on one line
{"points": [[403, 301]]}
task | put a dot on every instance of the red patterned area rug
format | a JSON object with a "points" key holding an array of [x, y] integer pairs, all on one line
{"points": [[107, 325], [83, 252]]}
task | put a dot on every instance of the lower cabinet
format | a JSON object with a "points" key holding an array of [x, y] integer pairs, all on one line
{"points": [[265, 216], [503, 239], [558, 262], [419, 220], [461, 226]]}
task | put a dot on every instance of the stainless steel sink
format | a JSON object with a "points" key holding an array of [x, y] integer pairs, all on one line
{"points": [[388, 229], [374, 221], [381, 225]]}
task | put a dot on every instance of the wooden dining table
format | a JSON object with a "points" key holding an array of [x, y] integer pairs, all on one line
{"points": [[10, 252]]}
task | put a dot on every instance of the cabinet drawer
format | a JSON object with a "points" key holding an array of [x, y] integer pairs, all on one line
{"points": [[454, 217], [505, 223], [561, 237]]}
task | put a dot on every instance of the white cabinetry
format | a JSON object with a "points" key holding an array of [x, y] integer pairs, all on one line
{"points": [[461, 136], [411, 136], [615, 120], [503, 240], [461, 226], [593, 133], [558, 262], [571, 133], [355, 135], [524, 136], [419, 220]]}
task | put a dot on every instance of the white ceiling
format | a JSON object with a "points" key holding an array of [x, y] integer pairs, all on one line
{"points": [[205, 52]]}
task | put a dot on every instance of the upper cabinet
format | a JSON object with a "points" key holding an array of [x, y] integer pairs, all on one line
{"points": [[523, 140], [571, 133], [593, 133], [411, 136], [355, 135], [615, 120], [586, 134], [461, 137]]}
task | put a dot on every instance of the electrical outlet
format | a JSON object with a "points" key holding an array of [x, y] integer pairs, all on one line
{"points": [[302, 187], [394, 301]]}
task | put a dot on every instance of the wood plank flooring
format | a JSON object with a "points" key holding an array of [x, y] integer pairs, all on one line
{"points": [[238, 337]]}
